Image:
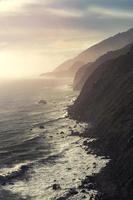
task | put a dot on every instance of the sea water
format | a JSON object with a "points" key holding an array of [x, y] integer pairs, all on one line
{"points": [[38, 136]]}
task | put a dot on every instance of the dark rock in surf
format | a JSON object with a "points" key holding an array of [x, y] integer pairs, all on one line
{"points": [[73, 191], [69, 168], [41, 127], [56, 187], [83, 191], [90, 186], [42, 102], [94, 165], [2, 180], [74, 133], [86, 181], [85, 142], [84, 197]]}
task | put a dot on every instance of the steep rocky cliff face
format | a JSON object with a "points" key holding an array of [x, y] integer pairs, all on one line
{"points": [[85, 71], [107, 101], [81, 76]]}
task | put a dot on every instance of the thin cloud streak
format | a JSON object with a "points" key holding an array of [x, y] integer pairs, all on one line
{"points": [[122, 14]]}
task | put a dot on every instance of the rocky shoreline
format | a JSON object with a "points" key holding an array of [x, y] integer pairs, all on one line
{"points": [[103, 181], [90, 187], [98, 186]]}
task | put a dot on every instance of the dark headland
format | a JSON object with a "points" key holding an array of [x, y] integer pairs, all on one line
{"points": [[83, 61], [106, 101]]}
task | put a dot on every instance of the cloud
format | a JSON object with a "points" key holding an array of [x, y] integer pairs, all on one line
{"points": [[84, 4], [42, 22], [68, 14], [114, 13], [63, 13], [56, 30]]}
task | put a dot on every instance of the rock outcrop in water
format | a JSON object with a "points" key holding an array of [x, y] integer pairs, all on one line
{"points": [[42, 101], [70, 67], [108, 103]]}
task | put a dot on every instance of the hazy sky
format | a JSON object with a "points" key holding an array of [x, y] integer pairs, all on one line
{"points": [[37, 35]]}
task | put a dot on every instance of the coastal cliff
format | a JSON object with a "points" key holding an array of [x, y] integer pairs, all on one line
{"points": [[85, 71], [106, 101], [70, 67]]}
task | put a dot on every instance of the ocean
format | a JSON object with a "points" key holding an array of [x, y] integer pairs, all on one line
{"points": [[37, 150]]}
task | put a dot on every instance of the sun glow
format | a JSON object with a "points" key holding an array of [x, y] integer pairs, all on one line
{"points": [[12, 5], [38, 35], [14, 64]]}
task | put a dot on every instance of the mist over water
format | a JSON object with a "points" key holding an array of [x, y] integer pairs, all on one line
{"points": [[37, 136]]}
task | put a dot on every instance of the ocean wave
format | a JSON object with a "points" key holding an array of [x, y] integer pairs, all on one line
{"points": [[15, 175], [24, 142], [48, 122], [30, 149], [21, 171]]}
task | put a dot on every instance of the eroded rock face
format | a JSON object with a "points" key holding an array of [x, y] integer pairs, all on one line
{"points": [[108, 104], [87, 70]]}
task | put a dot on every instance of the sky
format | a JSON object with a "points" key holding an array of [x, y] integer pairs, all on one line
{"points": [[38, 35]]}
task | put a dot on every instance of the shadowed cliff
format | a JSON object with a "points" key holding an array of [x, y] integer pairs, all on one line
{"points": [[85, 71], [108, 103]]}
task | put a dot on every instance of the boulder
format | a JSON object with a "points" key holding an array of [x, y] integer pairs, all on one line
{"points": [[73, 191], [41, 127], [42, 101], [56, 187]]}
